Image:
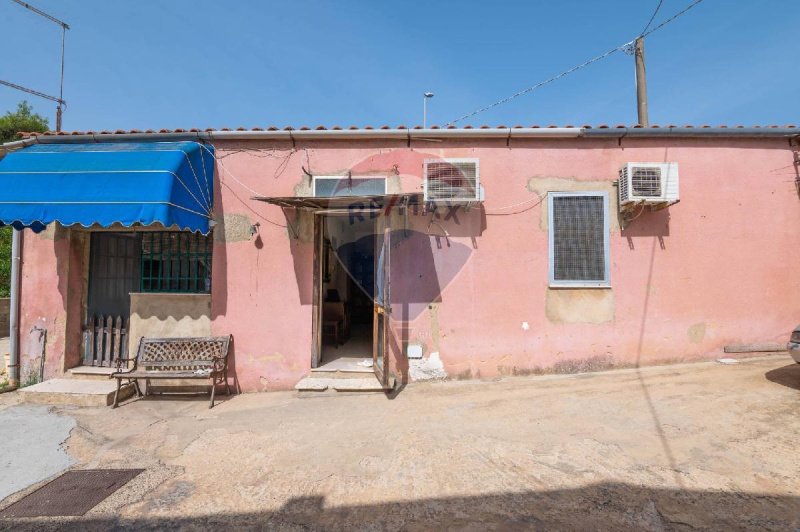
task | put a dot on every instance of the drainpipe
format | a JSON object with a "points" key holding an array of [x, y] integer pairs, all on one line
{"points": [[16, 267]]}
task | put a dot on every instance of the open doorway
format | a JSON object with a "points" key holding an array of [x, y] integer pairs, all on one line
{"points": [[346, 287]]}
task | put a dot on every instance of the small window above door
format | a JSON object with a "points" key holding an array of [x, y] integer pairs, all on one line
{"points": [[330, 186]]}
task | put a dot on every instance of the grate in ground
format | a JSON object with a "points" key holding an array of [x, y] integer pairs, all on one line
{"points": [[72, 494]]}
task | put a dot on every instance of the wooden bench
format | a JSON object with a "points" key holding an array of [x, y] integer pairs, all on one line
{"points": [[176, 358]]}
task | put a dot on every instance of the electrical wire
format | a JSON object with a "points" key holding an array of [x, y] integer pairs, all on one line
{"points": [[232, 176], [575, 68], [673, 17], [653, 17], [535, 200]]}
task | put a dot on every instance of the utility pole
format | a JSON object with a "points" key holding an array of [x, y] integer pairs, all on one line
{"points": [[641, 82]]}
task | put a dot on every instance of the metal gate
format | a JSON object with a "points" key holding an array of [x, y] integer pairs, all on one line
{"points": [[114, 267]]}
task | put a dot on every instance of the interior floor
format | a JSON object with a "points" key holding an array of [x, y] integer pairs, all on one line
{"points": [[347, 302], [350, 355]]}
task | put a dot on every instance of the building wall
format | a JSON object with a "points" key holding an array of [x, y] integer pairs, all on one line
{"points": [[685, 281], [52, 290], [472, 287], [168, 315]]}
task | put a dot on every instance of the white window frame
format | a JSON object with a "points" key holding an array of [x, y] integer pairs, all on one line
{"points": [[606, 282], [340, 177]]}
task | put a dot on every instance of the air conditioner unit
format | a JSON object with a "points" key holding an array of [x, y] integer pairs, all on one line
{"points": [[648, 183], [452, 181]]}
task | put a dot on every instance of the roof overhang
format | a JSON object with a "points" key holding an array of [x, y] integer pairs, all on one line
{"points": [[409, 135], [343, 203]]}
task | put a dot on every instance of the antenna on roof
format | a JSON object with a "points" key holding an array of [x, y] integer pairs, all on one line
{"points": [[60, 99]]}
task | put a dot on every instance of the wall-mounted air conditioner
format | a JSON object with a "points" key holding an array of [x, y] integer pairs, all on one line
{"points": [[452, 181], [648, 183]]}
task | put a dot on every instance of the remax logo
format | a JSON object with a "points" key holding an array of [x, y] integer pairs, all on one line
{"points": [[380, 203]]}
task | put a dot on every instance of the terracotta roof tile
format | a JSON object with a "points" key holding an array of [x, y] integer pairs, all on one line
{"points": [[30, 134]]}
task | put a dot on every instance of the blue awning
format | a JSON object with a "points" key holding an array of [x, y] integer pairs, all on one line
{"points": [[170, 183]]}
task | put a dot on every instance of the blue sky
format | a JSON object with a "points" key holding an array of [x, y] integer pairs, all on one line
{"points": [[201, 63]]}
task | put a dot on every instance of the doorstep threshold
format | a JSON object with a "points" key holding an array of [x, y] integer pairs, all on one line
{"points": [[315, 384], [91, 370]]}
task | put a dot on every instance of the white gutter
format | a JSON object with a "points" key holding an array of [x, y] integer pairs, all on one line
{"points": [[304, 134], [414, 134], [692, 132]]}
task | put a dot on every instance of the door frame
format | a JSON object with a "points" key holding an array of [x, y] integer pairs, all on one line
{"points": [[382, 310], [317, 284]]}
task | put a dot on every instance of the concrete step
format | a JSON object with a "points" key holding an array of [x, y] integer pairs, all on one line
{"points": [[320, 384], [76, 392], [90, 373], [338, 374]]}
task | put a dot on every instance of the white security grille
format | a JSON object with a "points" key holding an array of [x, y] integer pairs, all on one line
{"points": [[578, 239], [452, 180]]}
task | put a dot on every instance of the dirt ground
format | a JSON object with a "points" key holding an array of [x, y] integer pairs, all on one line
{"points": [[675, 447]]}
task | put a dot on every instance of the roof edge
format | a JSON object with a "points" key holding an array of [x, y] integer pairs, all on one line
{"points": [[433, 134]]}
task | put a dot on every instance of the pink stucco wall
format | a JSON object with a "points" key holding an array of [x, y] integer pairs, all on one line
{"points": [[720, 267], [51, 290]]}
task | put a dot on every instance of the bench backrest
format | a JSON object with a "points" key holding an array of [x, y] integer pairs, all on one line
{"points": [[173, 354]]}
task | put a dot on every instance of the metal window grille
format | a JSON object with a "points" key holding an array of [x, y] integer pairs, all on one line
{"points": [[175, 261], [327, 187], [579, 251], [646, 181], [451, 180]]}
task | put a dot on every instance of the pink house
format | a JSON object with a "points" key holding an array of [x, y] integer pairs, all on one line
{"points": [[436, 253]]}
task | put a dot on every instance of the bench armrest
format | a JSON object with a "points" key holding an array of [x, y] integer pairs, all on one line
{"points": [[219, 363], [121, 362]]}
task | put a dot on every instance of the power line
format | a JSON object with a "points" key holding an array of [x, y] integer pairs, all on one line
{"points": [[673, 17], [533, 88], [653, 17], [623, 47]]}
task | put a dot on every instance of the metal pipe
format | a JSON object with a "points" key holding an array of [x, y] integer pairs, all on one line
{"points": [[16, 270]]}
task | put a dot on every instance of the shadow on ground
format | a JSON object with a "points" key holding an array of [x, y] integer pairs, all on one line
{"points": [[601, 506], [788, 376]]}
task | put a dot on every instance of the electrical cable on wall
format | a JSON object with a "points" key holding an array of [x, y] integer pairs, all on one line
{"points": [[252, 191]]}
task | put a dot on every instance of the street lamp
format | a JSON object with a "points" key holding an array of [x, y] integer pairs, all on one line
{"points": [[425, 97]]}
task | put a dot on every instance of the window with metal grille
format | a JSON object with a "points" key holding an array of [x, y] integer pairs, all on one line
{"points": [[578, 223], [451, 179], [330, 186], [175, 261], [646, 181]]}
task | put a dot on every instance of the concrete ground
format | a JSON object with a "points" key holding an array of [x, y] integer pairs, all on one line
{"points": [[32, 440], [675, 447]]}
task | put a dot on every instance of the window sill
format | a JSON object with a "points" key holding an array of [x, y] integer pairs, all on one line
{"points": [[199, 294], [579, 285]]}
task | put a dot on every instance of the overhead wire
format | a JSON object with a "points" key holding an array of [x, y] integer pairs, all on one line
{"points": [[652, 17], [577, 67]]}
